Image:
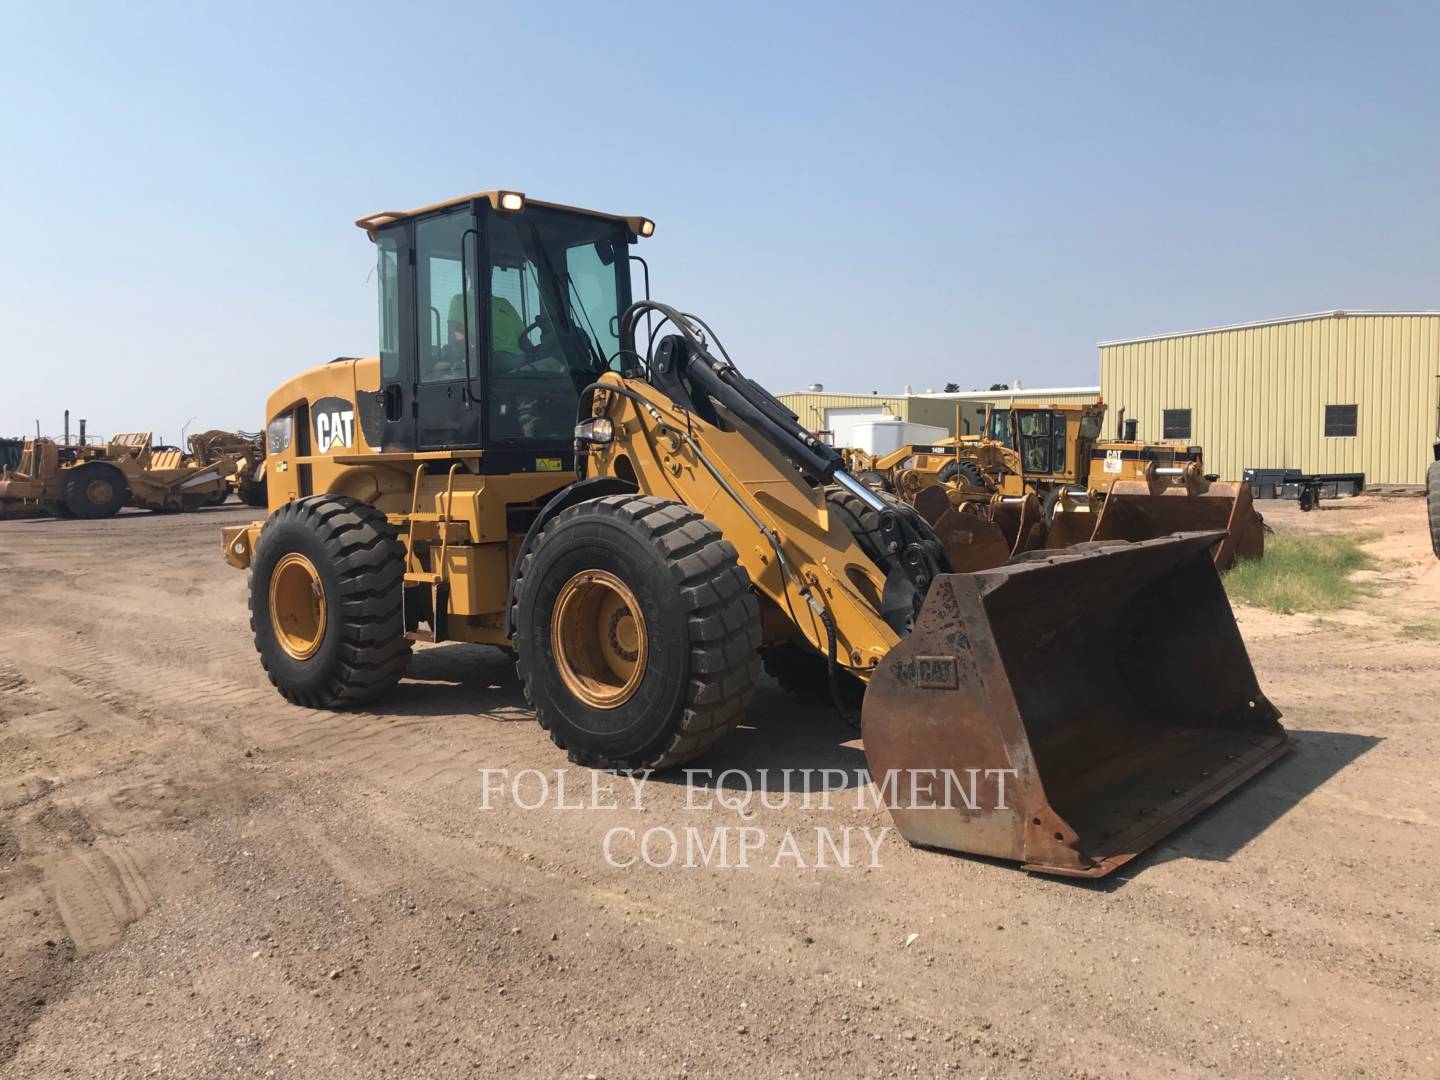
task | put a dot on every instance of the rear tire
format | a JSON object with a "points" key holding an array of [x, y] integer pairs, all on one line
{"points": [[95, 491], [1432, 505], [347, 645], [637, 633]]}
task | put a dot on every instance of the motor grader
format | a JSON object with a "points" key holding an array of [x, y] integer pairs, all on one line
{"points": [[97, 479], [537, 461]]}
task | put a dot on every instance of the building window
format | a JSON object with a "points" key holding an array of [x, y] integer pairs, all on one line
{"points": [[1175, 424], [1340, 421]]}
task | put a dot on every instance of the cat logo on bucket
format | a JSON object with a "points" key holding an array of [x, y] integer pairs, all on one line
{"points": [[334, 424]]}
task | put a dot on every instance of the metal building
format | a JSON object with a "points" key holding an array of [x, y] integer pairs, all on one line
{"points": [[836, 414], [1335, 392]]}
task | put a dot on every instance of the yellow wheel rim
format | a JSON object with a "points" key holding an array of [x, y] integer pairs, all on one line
{"points": [[99, 492], [598, 636], [297, 606]]}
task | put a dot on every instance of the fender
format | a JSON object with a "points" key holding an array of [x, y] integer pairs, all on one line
{"points": [[597, 487]]}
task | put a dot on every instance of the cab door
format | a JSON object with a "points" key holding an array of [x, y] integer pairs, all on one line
{"points": [[447, 331], [395, 270]]}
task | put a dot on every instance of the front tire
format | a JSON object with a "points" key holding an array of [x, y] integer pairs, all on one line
{"points": [[326, 602], [637, 635], [967, 472]]}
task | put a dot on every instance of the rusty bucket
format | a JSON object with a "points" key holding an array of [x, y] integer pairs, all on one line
{"points": [[1137, 510], [1069, 709]]}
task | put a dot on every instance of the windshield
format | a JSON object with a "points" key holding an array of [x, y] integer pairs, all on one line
{"points": [[558, 284], [1042, 440]]}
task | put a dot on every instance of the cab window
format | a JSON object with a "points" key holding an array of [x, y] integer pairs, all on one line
{"points": [[1035, 441], [557, 291], [1000, 427], [388, 272], [448, 293]]}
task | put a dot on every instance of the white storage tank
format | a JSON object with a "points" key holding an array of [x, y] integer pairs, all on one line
{"points": [[886, 433]]}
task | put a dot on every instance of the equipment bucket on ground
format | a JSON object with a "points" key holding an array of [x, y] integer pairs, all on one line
{"points": [[1135, 510], [1069, 709]]}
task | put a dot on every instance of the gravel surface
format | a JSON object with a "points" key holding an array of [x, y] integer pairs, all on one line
{"points": [[198, 880]]}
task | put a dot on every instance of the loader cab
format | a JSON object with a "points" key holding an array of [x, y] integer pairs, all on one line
{"points": [[495, 312]]}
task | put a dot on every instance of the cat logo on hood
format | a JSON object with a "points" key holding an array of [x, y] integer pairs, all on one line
{"points": [[334, 424]]}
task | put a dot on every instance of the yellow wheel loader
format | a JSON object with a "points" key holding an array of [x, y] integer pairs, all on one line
{"points": [[537, 462]]}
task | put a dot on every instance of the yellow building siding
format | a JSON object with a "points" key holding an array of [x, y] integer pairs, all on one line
{"points": [[1257, 394]]}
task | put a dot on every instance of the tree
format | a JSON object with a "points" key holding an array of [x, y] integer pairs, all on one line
{"points": [[952, 387], [1000, 386]]}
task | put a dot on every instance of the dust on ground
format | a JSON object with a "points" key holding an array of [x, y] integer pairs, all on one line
{"points": [[198, 880]]}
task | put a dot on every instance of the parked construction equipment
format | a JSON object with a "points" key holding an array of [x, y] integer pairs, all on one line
{"points": [[95, 480], [1086, 487], [640, 522], [245, 450]]}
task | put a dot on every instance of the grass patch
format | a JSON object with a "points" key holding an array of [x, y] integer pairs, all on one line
{"points": [[1425, 631], [1303, 573]]}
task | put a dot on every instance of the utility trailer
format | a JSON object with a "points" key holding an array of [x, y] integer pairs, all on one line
{"points": [[1308, 489]]}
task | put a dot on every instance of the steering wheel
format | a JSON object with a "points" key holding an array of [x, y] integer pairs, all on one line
{"points": [[548, 346]]}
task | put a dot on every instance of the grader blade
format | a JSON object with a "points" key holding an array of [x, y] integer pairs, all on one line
{"points": [[1135, 510], [1068, 710]]}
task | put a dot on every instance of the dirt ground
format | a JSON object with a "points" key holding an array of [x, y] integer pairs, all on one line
{"points": [[198, 880]]}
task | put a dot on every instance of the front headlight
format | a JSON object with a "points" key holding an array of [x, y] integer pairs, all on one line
{"points": [[279, 433], [598, 429]]}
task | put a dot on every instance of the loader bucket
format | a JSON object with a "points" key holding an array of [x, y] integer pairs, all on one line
{"points": [[1022, 521], [1069, 709], [1133, 510], [1071, 527], [971, 543]]}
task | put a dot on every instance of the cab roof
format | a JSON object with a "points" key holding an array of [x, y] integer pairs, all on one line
{"points": [[371, 222]]}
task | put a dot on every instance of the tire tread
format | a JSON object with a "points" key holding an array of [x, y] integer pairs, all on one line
{"points": [[370, 607], [723, 617]]}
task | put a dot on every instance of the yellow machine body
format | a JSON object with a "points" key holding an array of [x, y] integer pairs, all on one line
{"points": [[1053, 672]]}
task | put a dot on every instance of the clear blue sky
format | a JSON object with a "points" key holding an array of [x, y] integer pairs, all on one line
{"points": [[862, 195]]}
